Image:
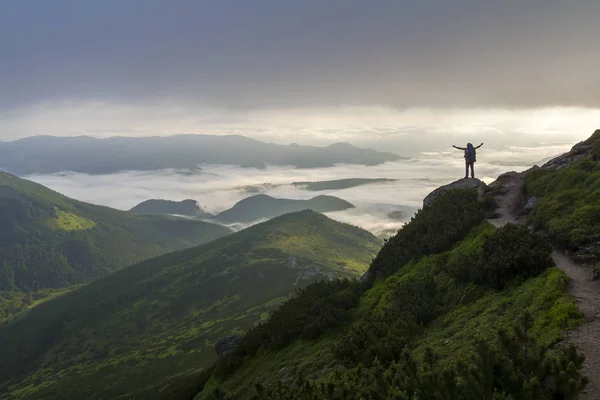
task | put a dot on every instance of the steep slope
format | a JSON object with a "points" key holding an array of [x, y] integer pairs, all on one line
{"points": [[423, 323], [559, 200], [262, 206], [188, 207], [142, 329], [48, 241], [47, 154]]}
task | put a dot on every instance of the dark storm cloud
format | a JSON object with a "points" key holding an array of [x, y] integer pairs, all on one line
{"points": [[273, 53]]}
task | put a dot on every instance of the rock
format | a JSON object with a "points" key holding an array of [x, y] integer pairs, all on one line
{"points": [[504, 183], [226, 345], [530, 204], [580, 151], [364, 276], [471, 183]]}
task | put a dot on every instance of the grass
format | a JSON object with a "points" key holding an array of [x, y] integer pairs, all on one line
{"points": [[568, 207], [69, 222], [546, 297]]}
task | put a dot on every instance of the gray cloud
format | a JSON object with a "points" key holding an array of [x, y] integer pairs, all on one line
{"points": [[241, 55]]}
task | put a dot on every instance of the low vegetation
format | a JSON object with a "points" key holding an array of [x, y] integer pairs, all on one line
{"points": [[466, 310], [568, 206]]}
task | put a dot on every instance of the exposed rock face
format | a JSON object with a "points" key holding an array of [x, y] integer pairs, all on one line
{"points": [[586, 149], [504, 183], [226, 345], [465, 183]]}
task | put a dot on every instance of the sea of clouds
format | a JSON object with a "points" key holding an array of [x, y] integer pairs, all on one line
{"points": [[218, 187]]}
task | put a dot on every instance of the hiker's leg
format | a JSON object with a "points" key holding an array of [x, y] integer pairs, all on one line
{"points": [[472, 170], [466, 169]]}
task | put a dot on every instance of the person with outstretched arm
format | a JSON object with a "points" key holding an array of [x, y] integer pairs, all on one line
{"points": [[470, 158]]}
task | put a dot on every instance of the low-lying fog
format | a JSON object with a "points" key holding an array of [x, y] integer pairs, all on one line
{"points": [[217, 188]]}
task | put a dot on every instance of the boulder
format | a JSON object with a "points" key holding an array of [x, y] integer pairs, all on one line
{"points": [[226, 345], [465, 183]]}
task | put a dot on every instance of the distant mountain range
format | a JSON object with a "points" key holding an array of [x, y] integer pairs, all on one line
{"points": [[250, 209], [50, 154]]}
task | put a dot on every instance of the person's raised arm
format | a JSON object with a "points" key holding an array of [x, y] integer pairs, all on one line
{"points": [[459, 148], [479, 146]]}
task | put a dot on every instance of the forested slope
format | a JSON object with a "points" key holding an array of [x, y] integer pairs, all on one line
{"points": [[49, 241], [148, 329]]}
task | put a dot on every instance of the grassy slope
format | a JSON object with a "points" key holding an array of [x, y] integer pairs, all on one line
{"points": [[48, 241], [132, 329], [463, 313], [569, 206]]}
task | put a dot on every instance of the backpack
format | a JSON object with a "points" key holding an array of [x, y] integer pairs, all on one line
{"points": [[470, 153]]}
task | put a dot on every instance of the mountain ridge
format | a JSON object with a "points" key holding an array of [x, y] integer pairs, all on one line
{"points": [[52, 154], [260, 206]]}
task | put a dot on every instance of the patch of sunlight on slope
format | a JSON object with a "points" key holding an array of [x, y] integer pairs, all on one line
{"points": [[69, 222]]}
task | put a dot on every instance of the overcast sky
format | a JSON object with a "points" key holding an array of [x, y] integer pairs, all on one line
{"points": [[313, 71]]}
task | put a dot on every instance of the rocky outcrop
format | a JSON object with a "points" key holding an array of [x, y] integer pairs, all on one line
{"points": [[589, 148], [504, 183], [226, 345], [465, 183]]}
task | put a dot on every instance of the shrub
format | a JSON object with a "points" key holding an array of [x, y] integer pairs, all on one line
{"points": [[514, 367], [433, 230]]}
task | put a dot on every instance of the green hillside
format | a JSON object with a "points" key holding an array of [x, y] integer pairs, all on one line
{"points": [[148, 329], [48, 241], [568, 206], [452, 308], [262, 206]]}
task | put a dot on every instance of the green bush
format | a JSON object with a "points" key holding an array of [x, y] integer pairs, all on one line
{"points": [[514, 367], [512, 252], [433, 230]]}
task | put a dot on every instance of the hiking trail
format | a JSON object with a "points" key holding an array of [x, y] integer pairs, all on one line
{"points": [[585, 290]]}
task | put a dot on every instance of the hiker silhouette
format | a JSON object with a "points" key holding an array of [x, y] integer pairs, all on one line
{"points": [[470, 158]]}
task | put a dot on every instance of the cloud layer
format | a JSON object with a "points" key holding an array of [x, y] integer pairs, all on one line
{"points": [[218, 188]]}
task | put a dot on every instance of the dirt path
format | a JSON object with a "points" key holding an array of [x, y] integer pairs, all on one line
{"points": [[585, 290]]}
